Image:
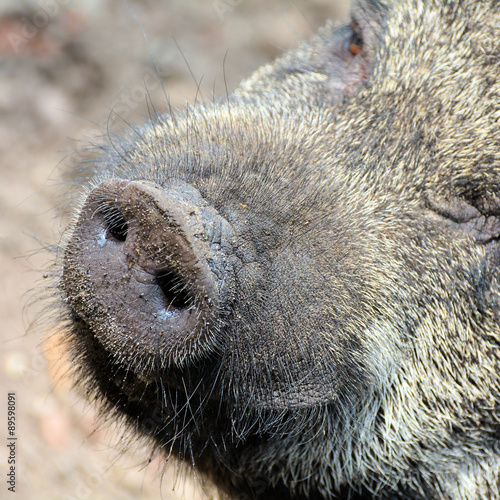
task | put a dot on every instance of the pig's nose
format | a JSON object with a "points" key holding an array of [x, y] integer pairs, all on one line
{"points": [[144, 270]]}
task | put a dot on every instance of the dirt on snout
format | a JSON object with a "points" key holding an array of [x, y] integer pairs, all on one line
{"points": [[69, 72]]}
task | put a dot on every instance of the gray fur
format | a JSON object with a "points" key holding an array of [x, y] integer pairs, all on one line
{"points": [[357, 351]]}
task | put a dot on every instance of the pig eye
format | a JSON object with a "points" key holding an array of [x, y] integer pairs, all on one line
{"points": [[355, 44]]}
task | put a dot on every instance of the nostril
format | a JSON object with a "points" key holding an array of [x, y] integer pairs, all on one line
{"points": [[137, 273], [174, 290], [115, 224]]}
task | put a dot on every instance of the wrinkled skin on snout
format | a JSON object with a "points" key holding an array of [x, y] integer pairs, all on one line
{"points": [[296, 289]]}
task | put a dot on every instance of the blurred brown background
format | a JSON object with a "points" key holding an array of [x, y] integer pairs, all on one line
{"points": [[64, 65]]}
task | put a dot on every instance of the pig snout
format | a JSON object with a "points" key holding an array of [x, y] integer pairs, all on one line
{"points": [[146, 270]]}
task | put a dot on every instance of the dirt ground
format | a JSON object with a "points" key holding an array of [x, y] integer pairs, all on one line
{"points": [[64, 66]]}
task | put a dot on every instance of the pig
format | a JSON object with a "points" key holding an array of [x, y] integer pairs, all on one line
{"points": [[295, 289]]}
